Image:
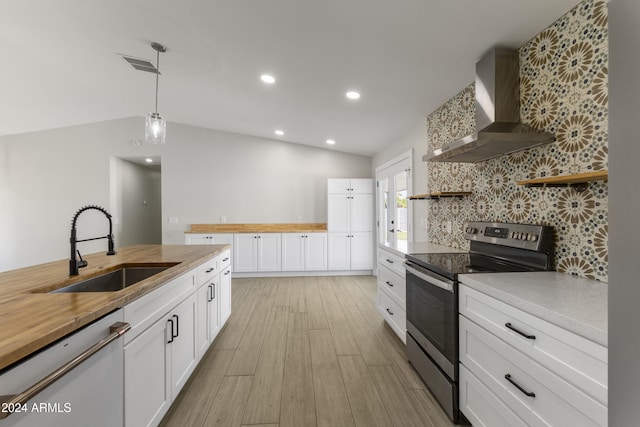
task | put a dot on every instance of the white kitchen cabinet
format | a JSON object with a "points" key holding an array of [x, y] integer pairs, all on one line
{"points": [[224, 306], [257, 252], [208, 239], [350, 224], [208, 315], [158, 362], [147, 372], [214, 299], [392, 291], [544, 374], [350, 251], [304, 251], [184, 352]]}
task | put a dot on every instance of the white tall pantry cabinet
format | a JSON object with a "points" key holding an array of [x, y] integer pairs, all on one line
{"points": [[350, 224]]}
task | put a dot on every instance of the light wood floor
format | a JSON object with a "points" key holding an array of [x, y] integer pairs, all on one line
{"points": [[305, 351]]}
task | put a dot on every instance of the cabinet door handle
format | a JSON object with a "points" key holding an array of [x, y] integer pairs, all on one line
{"points": [[175, 316], [389, 261], [516, 330], [389, 284], [172, 336], [389, 311], [213, 291], [227, 272], [519, 387], [209, 270]]}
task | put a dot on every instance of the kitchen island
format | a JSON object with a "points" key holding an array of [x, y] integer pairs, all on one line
{"points": [[33, 318]]}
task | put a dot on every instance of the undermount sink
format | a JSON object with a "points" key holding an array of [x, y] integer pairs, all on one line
{"points": [[115, 280]]}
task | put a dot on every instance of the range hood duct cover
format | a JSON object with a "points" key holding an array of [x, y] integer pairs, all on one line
{"points": [[498, 127]]}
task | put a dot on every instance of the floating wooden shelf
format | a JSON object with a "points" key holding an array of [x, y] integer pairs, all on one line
{"points": [[439, 194], [578, 181]]}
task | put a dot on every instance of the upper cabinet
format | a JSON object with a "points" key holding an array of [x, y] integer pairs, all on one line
{"points": [[350, 205]]}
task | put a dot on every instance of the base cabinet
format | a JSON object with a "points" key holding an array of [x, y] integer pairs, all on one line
{"points": [[543, 374], [304, 251], [350, 251], [392, 292], [147, 386], [257, 252], [171, 329], [158, 363], [224, 302]]}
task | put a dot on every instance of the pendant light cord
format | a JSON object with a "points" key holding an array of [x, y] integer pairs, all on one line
{"points": [[157, 76]]}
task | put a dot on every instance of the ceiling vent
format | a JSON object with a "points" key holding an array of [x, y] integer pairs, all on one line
{"points": [[141, 64]]}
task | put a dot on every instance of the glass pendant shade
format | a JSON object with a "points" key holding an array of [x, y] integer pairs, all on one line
{"points": [[155, 129]]}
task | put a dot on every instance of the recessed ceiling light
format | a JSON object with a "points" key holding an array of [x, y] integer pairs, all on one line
{"points": [[148, 160], [279, 132], [331, 141], [352, 94], [267, 78]]}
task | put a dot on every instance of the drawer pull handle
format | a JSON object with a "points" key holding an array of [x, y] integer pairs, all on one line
{"points": [[389, 261], [389, 283], [518, 386], [389, 311], [226, 259], [516, 330], [209, 270]]}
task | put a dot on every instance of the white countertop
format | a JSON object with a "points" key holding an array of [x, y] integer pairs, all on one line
{"points": [[573, 303], [403, 248]]}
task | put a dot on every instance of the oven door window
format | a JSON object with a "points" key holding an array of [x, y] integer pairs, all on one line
{"points": [[433, 312]]}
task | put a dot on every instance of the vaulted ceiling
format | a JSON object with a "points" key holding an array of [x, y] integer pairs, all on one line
{"points": [[62, 64]]}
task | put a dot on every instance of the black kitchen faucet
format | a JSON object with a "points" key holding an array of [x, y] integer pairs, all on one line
{"points": [[74, 264]]}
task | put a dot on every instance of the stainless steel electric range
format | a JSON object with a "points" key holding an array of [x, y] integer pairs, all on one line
{"points": [[432, 295]]}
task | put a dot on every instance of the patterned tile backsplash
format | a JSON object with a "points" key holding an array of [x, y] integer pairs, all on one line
{"points": [[563, 90]]}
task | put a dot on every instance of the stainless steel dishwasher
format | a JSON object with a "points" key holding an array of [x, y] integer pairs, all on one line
{"points": [[77, 381]]}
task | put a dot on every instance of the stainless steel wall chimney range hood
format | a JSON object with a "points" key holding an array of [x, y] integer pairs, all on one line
{"points": [[498, 127]]}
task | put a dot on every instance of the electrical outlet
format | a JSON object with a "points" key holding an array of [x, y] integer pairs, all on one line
{"points": [[299, 219], [173, 220], [223, 219], [447, 227]]}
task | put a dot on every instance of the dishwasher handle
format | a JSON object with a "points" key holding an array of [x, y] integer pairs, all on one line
{"points": [[115, 331]]}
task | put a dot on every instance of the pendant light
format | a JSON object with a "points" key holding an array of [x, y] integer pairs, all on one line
{"points": [[156, 126]]}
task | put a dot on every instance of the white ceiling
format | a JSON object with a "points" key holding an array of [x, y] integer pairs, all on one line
{"points": [[61, 63]]}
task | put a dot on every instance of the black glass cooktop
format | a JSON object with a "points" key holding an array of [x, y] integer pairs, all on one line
{"points": [[452, 264]]}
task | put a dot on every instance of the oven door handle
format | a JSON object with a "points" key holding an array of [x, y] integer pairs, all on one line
{"points": [[424, 275]]}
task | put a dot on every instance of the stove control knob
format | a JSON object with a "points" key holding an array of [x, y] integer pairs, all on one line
{"points": [[524, 236], [472, 230], [516, 235], [533, 237]]}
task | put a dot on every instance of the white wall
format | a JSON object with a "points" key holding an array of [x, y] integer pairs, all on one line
{"points": [[45, 177], [415, 139], [624, 205]]}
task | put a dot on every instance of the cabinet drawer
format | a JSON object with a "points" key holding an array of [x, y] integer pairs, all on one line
{"points": [[578, 360], [392, 261], [393, 284], [208, 270], [555, 401], [224, 260], [144, 311], [395, 316], [481, 406]]}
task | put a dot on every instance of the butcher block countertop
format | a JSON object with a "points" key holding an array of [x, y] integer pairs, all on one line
{"points": [[31, 318], [296, 227]]}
